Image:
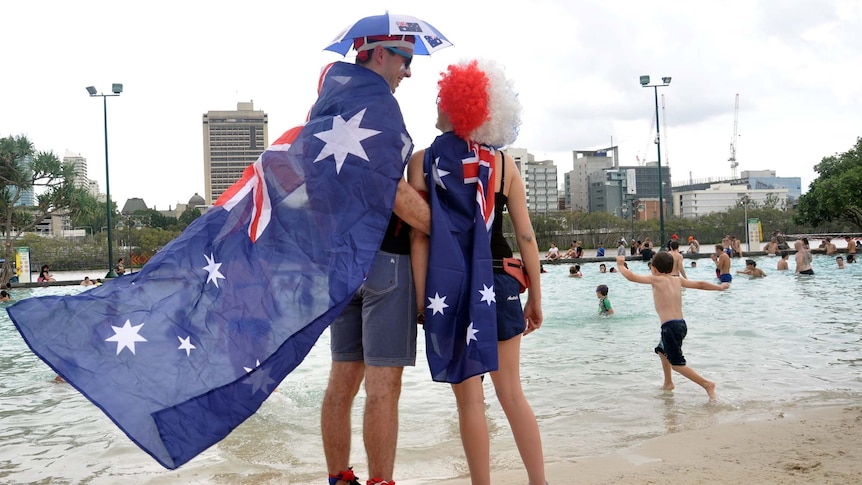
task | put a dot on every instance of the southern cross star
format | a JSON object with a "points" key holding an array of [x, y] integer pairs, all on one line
{"points": [[186, 344], [126, 336], [437, 303], [488, 294], [439, 173], [344, 139], [212, 269], [259, 380], [471, 333]]}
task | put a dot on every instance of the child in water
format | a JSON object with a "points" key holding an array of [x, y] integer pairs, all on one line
{"points": [[604, 303], [575, 271], [667, 293]]}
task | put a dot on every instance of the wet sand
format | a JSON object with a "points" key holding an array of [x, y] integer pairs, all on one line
{"points": [[796, 446]]}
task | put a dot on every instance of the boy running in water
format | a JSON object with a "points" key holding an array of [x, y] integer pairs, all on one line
{"points": [[667, 293]]}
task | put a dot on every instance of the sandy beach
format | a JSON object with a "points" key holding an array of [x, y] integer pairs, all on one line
{"points": [[796, 446]]}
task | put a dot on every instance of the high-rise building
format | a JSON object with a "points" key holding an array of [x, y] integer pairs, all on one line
{"points": [[540, 180], [26, 196], [611, 189], [232, 141], [79, 162], [585, 164]]}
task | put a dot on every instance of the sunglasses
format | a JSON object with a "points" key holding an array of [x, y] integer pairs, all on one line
{"points": [[407, 57]]}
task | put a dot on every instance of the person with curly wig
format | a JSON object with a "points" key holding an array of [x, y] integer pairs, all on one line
{"points": [[478, 113]]}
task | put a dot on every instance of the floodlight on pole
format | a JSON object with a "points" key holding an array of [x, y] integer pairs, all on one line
{"points": [[116, 89], [644, 80]]}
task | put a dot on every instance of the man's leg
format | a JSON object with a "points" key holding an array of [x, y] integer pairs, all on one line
{"points": [[380, 426], [344, 381]]}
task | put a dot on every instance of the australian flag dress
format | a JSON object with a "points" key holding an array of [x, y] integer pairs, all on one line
{"points": [[460, 306], [184, 351]]}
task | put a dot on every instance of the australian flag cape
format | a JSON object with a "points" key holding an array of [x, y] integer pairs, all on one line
{"points": [[460, 306], [184, 351]]}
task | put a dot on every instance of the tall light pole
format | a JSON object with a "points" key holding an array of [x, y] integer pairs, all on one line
{"points": [[744, 201], [661, 206], [116, 89]]}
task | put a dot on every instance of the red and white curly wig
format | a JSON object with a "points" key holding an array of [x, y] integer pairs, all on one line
{"points": [[481, 103]]}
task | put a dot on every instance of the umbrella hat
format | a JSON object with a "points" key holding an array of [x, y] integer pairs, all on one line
{"points": [[428, 39]]}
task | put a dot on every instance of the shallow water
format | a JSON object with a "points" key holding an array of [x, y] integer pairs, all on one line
{"points": [[774, 343]]}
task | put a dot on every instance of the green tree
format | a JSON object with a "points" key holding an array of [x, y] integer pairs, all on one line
{"points": [[23, 169], [836, 194], [88, 212], [188, 216]]}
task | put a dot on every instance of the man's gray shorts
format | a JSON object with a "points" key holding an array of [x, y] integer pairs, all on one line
{"points": [[379, 324]]}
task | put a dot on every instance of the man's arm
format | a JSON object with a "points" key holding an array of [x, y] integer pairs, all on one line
{"points": [[412, 208]]}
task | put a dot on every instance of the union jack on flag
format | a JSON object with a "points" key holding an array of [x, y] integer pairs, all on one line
{"points": [[184, 351]]}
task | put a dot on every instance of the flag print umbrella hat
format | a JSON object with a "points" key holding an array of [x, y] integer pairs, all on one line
{"points": [[428, 39]]}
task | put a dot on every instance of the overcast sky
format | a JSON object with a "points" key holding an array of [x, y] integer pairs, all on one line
{"points": [[795, 64]]}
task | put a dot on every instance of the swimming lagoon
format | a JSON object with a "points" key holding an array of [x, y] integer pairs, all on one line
{"points": [[773, 344]]}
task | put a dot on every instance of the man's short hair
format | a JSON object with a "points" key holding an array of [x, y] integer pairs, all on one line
{"points": [[751, 262], [674, 244], [719, 247], [663, 262]]}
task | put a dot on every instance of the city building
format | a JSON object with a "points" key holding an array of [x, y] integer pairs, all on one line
{"points": [[586, 162], [540, 180], [767, 180], [82, 180], [79, 164], [720, 197], [622, 190], [26, 197], [232, 141]]}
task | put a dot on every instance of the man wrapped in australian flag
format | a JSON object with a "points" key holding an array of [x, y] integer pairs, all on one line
{"points": [[182, 352]]}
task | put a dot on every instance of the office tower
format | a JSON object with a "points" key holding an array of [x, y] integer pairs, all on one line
{"points": [[585, 163], [232, 141], [79, 163], [540, 180]]}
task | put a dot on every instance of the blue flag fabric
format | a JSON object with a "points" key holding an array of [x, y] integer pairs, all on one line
{"points": [[460, 306], [184, 351]]}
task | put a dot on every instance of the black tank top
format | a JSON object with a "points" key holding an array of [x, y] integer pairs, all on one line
{"points": [[397, 237], [499, 247]]}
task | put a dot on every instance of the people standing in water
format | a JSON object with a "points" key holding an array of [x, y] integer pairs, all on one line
{"points": [[678, 264], [803, 258], [667, 295], [722, 264], [604, 302], [782, 263], [478, 111]]}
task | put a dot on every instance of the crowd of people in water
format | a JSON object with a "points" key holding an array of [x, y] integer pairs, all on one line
{"points": [[730, 247]]}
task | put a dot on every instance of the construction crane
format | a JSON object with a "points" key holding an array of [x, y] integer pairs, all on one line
{"points": [[732, 159]]}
